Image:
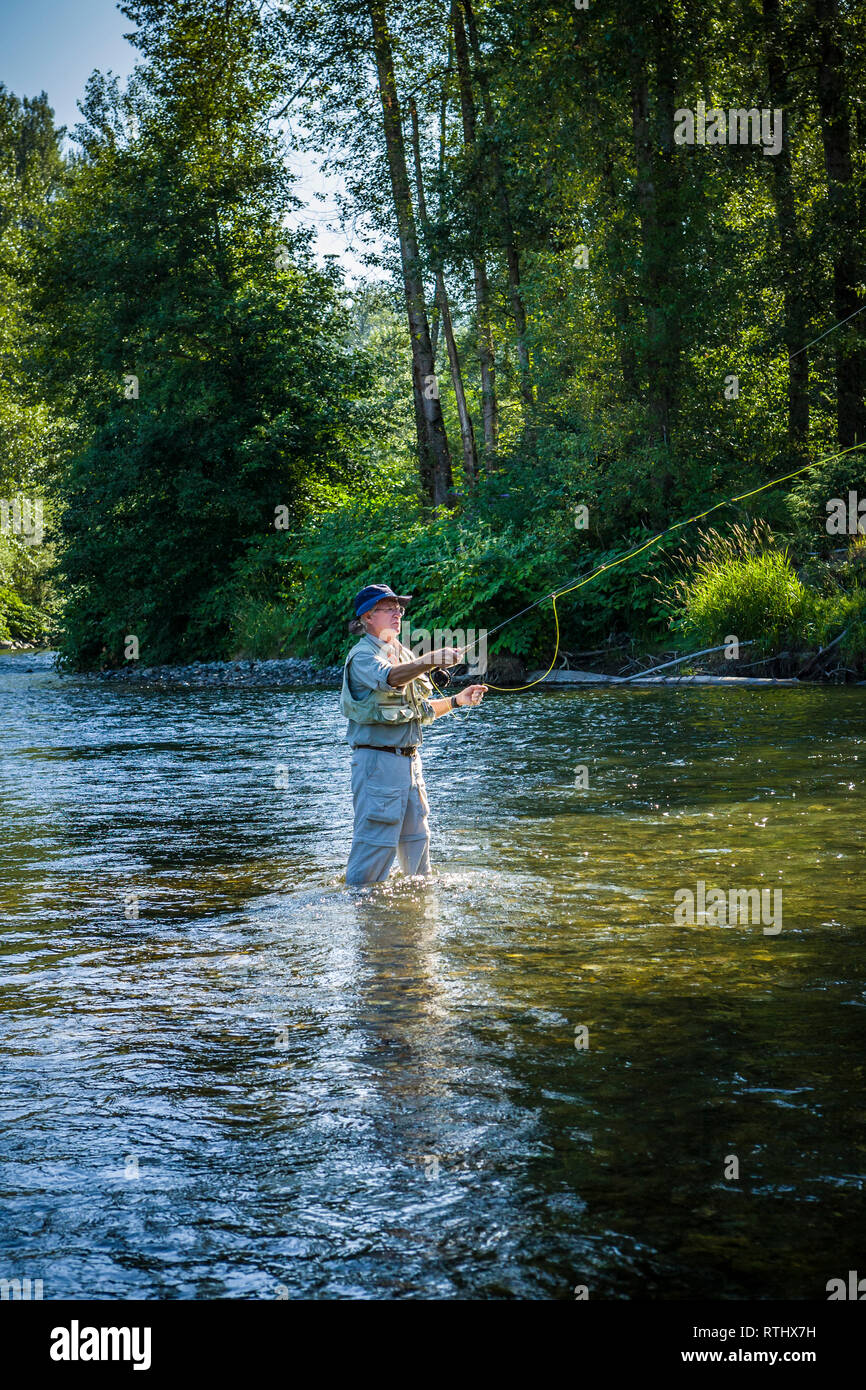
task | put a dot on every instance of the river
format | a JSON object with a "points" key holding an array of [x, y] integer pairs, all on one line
{"points": [[227, 1075]]}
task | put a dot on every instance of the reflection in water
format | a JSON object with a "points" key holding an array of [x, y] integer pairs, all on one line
{"points": [[226, 1074]]}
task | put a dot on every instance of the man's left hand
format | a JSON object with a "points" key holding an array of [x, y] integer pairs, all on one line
{"points": [[472, 695]]}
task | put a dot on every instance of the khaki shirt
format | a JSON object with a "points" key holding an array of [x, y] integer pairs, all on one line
{"points": [[368, 670]]}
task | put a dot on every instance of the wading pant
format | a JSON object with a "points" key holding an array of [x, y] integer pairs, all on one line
{"points": [[390, 816]]}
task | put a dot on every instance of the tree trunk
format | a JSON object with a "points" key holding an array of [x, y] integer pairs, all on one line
{"points": [[651, 265], [425, 458], [790, 241], [467, 434], [620, 297], [848, 270], [443, 114], [512, 259], [489, 408], [434, 325], [660, 231], [440, 477]]}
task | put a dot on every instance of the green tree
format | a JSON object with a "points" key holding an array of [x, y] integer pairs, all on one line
{"points": [[31, 173], [205, 357]]}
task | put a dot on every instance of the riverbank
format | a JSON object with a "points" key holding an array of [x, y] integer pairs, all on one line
{"points": [[298, 672], [286, 671]]}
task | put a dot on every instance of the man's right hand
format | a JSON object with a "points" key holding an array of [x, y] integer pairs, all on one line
{"points": [[447, 656], [406, 671]]}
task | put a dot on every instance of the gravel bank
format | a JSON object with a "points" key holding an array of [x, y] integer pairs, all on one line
{"points": [[289, 671]]}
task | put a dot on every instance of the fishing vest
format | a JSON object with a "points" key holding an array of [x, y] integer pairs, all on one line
{"points": [[387, 706]]}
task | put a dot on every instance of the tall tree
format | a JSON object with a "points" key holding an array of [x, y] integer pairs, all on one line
{"points": [[489, 406], [32, 171], [652, 81], [467, 434], [845, 206], [205, 356], [443, 122], [410, 259], [507, 232], [792, 251]]}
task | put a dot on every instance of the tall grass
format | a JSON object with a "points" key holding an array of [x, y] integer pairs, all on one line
{"points": [[743, 584]]}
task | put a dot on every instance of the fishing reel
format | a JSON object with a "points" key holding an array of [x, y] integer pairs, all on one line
{"points": [[438, 671]]}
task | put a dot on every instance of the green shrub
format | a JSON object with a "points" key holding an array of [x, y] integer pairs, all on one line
{"points": [[843, 612], [261, 631], [738, 587], [465, 571], [476, 566], [19, 620]]}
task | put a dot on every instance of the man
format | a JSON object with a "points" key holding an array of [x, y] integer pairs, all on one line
{"points": [[386, 699]]}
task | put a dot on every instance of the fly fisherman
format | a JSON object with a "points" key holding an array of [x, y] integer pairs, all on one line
{"points": [[386, 699]]}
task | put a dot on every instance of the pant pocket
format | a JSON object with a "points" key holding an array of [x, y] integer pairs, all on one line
{"points": [[384, 807], [381, 817]]}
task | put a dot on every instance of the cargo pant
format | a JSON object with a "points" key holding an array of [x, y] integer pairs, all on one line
{"points": [[391, 811]]}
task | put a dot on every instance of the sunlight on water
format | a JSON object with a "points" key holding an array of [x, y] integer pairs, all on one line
{"points": [[226, 1074]]}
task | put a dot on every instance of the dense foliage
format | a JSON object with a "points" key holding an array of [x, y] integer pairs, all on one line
{"points": [[203, 355], [31, 170], [579, 307]]}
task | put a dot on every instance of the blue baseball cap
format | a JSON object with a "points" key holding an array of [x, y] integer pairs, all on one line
{"points": [[373, 594]]}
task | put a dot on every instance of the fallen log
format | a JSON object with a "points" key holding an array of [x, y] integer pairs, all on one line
{"points": [[680, 659], [592, 678]]}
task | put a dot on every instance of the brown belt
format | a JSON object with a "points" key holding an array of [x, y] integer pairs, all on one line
{"points": [[407, 752]]}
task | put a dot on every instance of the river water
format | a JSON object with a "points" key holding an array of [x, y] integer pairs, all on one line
{"points": [[228, 1075]]}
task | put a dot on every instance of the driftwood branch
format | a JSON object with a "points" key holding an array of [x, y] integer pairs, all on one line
{"points": [[680, 660], [596, 651], [765, 661]]}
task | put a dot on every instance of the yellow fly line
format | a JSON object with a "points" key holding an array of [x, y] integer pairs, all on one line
{"points": [[558, 593]]}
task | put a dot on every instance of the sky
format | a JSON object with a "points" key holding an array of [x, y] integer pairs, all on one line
{"points": [[54, 45]]}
